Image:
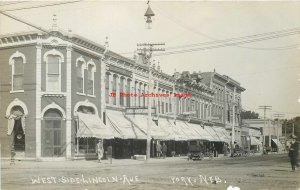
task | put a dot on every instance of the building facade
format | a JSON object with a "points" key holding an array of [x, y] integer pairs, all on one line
{"points": [[61, 92], [227, 105]]}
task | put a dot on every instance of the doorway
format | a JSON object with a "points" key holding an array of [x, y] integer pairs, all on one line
{"points": [[53, 137]]}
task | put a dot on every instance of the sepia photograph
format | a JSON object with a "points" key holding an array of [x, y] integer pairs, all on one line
{"points": [[149, 95]]}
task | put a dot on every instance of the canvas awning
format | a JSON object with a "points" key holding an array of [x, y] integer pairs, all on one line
{"points": [[213, 133], [223, 134], [123, 128], [90, 125], [255, 141], [141, 121], [189, 131], [278, 144], [203, 133], [175, 132]]}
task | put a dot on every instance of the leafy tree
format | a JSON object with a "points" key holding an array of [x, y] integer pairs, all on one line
{"points": [[249, 115]]}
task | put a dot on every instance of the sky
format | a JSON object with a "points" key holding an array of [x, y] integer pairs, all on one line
{"points": [[269, 70]]}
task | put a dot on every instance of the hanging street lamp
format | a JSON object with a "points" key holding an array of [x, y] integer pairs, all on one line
{"points": [[148, 14]]}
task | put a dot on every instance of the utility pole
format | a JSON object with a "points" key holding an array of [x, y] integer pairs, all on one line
{"points": [[265, 108], [233, 123], [147, 50], [278, 116], [293, 134]]}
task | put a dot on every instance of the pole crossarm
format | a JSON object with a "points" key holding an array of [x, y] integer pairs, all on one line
{"points": [[151, 44]]}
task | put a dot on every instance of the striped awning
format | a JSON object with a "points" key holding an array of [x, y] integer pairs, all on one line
{"points": [[203, 133], [255, 141], [90, 125], [175, 131], [123, 128], [156, 132]]}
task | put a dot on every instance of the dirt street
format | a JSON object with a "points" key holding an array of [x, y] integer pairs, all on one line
{"points": [[256, 172]]}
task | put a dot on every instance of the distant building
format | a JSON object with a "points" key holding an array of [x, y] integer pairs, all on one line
{"points": [[270, 132]]}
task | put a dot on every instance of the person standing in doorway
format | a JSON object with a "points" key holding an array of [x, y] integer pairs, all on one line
{"points": [[164, 150], [100, 150]]}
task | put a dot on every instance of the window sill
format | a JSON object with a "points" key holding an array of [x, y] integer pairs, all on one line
{"points": [[16, 91], [80, 94], [93, 96], [53, 93]]}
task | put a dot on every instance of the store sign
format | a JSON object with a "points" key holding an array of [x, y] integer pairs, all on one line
{"points": [[138, 110]]}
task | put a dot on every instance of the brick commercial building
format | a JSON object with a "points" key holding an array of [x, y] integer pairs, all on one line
{"points": [[61, 92]]}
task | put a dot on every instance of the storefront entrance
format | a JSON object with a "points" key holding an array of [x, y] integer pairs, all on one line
{"points": [[17, 124], [53, 134]]}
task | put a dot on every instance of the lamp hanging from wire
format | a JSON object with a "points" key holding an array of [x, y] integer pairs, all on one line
{"points": [[148, 16]]}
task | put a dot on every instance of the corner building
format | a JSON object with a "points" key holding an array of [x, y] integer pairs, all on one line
{"points": [[61, 92]]}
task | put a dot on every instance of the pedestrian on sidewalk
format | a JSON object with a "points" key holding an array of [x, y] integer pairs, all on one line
{"points": [[164, 150], [225, 147], [292, 155], [296, 146], [100, 150], [158, 149]]}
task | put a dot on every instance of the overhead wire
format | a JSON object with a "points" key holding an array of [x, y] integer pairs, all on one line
{"points": [[183, 25], [12, 3], [229, 44], [40, 6]]}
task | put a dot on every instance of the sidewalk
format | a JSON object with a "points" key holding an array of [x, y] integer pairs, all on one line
{"points": [[29, 164]]}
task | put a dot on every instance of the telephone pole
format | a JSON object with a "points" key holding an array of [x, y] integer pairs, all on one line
{"points": [[265, 108], [147, 50], [278, 116]]}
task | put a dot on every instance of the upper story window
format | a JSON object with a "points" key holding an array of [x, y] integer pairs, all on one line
{"points": [[122, 91], [114, 89], [91, 69], [53, 60], [80, 66], [53, 73], [128, 91], [17, 61], [107, 88]]}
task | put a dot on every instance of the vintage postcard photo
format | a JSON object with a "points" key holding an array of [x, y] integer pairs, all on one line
{"points": [[149, 95]]}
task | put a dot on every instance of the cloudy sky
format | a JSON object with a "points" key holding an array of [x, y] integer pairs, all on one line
{"points": [[268, 69]]}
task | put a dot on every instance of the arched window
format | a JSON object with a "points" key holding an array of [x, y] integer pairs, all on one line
{"points": [[53, 73], [80, 65], [114, 89], [91, 67], [128, 92], [139, 94], [107, 88], [18, 73], [121, 91], [17, 61]]}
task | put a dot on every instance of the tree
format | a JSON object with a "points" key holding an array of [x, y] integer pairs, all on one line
{"points": [[249, 115], [288, 126]]}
